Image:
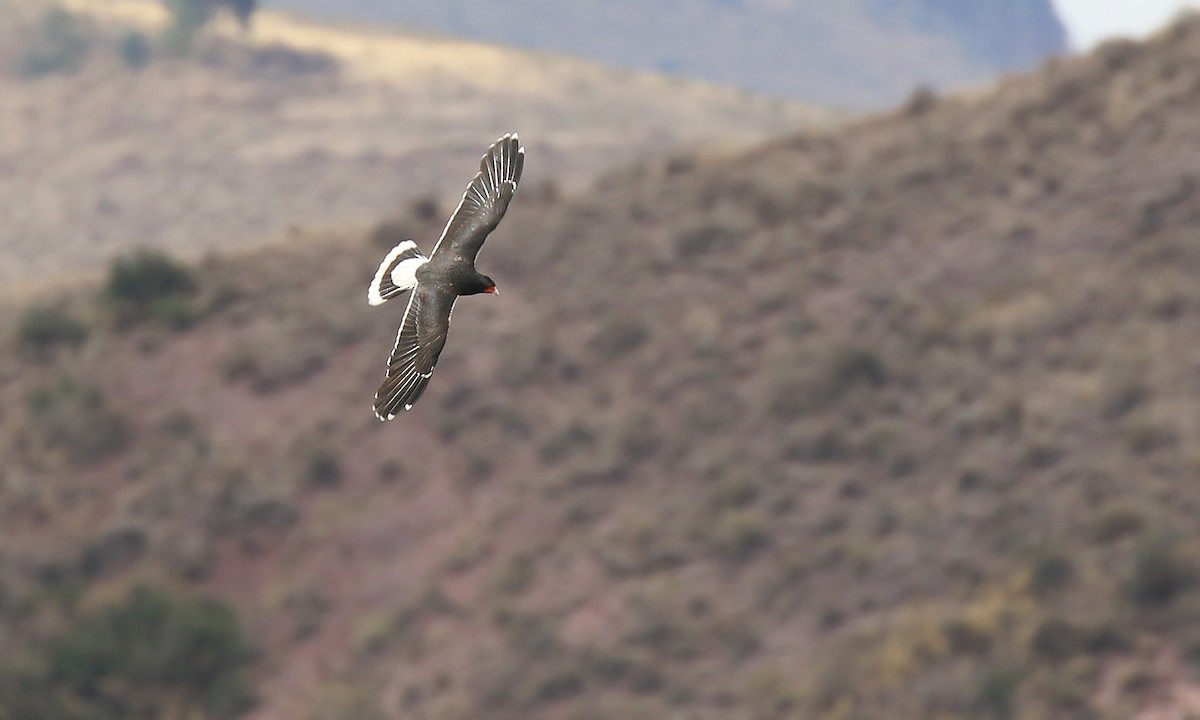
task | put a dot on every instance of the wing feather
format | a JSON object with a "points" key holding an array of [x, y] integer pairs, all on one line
{"points": [[419, 343], [485, 200]]}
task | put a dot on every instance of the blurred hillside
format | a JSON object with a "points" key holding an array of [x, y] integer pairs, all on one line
{"points": [[897, 420], [296, 124], [851, 53]]}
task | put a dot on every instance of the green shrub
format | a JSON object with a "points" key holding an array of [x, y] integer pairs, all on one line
{"points": [[1051, 571], [996, 693], [1115, 521], [112, 551], [852, 366], [740, 534], [60, 44], [149, 657], [516, 574], [148, 285], [1161, 571], [175, 312], [43, 329], [187, 17], [322, 468], [1057, 639], [146, 276], [1145, 436]]}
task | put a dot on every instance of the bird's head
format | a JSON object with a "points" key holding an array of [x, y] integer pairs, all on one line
{"points": [[486, 285]]}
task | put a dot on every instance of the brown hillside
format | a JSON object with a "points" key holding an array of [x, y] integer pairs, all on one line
{"points": [[300, 124], [897, 421]]}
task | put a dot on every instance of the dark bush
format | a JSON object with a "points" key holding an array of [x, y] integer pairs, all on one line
{"points": [[149, 657], [149, 285], [697, 241], [60, 44], [146, 276], [1057, 639], [112, 551], [619, 337], [740, 534], [854, 365], [1051, 571], [1116, 521], [570, 440], [802, 385], [1160, 573], [322, 468], [134, 50], [996, 693], [43, 329], [427, 209], [390, 471]]}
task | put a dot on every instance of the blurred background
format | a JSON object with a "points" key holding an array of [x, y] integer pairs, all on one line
{"points": [[846, 365]]}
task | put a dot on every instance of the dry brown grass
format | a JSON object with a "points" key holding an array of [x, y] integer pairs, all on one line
{"points": [[300, 124]]}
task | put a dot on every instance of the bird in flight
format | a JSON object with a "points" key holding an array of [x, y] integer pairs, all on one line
{"points": [[437, 281]]}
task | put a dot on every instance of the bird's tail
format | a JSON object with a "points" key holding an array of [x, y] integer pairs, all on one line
{"points": [[397, 274]]}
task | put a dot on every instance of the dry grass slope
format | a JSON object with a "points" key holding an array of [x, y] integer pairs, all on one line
{"points": [[299, 124], [892, 421]]}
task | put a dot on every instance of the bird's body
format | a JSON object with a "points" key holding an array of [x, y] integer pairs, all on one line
{"points": [[434, 283]]}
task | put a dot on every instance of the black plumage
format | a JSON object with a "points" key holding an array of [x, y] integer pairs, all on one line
{"points": [[437, 282]]}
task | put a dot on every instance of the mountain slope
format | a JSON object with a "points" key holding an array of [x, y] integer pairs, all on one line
{"points": [[860, 54], [301, 124], [897, 420]]}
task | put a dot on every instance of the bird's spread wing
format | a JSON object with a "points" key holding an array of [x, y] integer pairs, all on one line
{"points": [[397, 274], [485, 200], [419, 342]]}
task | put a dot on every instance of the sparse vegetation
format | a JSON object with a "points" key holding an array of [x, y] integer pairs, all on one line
{"points": [[148, 655], [930, 460], [45, 328], [149, 285], [60, 44], [275, 356], [75, 418]]}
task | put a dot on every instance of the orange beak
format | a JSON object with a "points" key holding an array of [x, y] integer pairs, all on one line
{"points": [[492, 291]]}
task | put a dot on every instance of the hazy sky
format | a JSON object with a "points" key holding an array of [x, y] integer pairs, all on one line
{"points": [[1089, 21]]}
